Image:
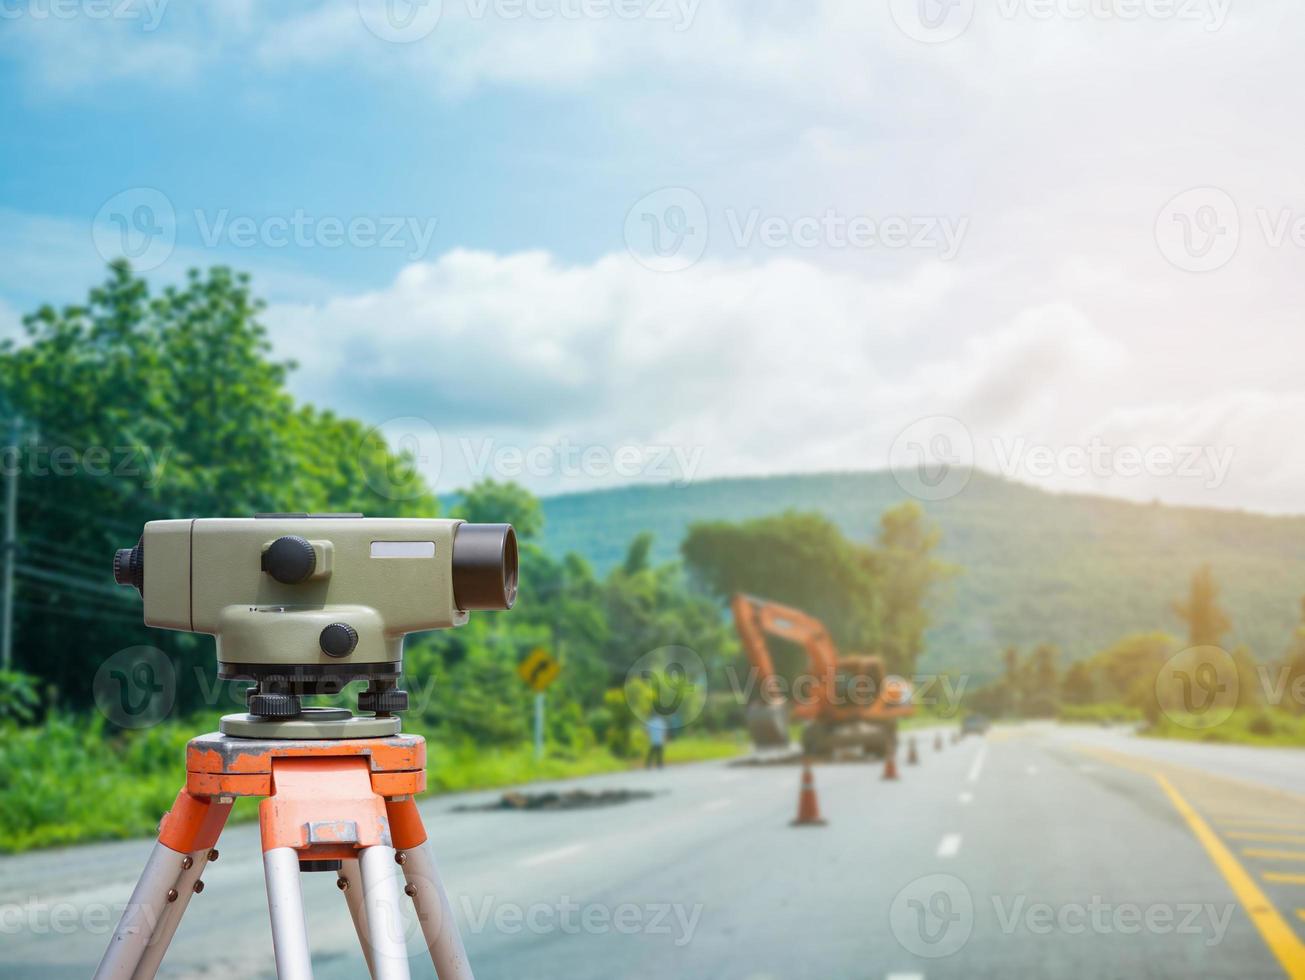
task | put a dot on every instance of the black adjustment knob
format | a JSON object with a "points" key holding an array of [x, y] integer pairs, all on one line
{"points": [[290, 560], [338, 640], [383, 702], [274, 705], [129, 566]]}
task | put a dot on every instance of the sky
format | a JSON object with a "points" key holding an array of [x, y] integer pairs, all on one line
{"points": [[578, 243]]}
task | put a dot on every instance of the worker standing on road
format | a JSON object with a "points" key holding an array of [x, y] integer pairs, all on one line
{"points": [[656, 726]]}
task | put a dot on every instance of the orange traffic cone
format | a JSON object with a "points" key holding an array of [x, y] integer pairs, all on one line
{"points": [[912, 757], [808, 814], [890, 763]]}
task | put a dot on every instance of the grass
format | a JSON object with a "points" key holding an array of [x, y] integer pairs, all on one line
{"points": [[72, 781], [1245, 726]]}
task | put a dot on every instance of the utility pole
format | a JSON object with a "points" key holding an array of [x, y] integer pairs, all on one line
{"points": [[10, 548], [539, 726]]}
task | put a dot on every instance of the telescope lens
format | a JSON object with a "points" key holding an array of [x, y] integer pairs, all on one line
{"points": [[485, 566]]}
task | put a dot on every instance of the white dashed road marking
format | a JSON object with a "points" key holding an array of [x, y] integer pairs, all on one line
{"points": [[949, 846], [976, 767], [548, 856]]}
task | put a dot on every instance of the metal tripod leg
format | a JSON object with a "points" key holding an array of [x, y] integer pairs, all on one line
{"points": [[429, 899], [350, 881], [435, 915], [380, 875], [285, 902]]}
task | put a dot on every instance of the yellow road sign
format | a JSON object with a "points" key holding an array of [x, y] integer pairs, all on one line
{"points": [[539, 669]]}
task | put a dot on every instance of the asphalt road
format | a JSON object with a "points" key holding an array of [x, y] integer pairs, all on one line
{"points": [[1036, 851]]}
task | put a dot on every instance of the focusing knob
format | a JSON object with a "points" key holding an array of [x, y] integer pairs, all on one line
{"points": [[383, 702], [274, 705], [290, 560], [129, 566], [338, 640]]}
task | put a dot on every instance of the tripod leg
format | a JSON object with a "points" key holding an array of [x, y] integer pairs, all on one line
{"points": [[429, 898], [351, 876], [285, 902], [190, 828], [380, 875]]}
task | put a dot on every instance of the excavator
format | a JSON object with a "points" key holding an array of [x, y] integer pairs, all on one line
{"points": [[846, 702]]}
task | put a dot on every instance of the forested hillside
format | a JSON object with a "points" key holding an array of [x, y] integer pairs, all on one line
{"points": [[1077, 571]]}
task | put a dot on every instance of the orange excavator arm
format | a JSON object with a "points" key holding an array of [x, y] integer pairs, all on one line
{"points": [[755, 618]]}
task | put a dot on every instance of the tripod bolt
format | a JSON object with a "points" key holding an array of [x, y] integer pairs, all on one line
{"points": [[199, 887], [342, 884], [400, 857], [410, 890], [213, 854], [187, 863], [172, 894]]}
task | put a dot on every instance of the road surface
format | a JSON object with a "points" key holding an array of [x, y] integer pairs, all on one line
{"points": [[1034, 851]]}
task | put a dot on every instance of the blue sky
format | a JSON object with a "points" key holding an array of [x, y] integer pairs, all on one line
{"points": [[747, 238]]}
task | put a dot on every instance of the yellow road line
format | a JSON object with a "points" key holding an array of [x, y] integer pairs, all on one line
{"points": [[1266, 838], [1300, 914], [1280, 937], [1281, 878], [1271, 854]]}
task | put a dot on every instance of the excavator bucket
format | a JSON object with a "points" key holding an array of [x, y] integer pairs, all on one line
{"points": [[768, 725]]}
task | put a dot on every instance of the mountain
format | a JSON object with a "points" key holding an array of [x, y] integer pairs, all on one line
{"points": [[1075, 570]]}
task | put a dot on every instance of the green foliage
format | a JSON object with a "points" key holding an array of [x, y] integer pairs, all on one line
{"points": [[137, 407], [802, 560], [491, 502], [19, 700], [1207, 624], [1070, 569]]}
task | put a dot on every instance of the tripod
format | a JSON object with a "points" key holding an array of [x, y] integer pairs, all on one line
{"points": [[329, 804]]}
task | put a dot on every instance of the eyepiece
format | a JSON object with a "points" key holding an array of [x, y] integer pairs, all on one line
{"points": [[484, 566], [129, 566]]}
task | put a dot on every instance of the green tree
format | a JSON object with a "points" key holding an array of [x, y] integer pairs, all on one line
{"points": [[491, 502], [1078, 686], [137, 407], [1207, 623], [908, 575]]}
